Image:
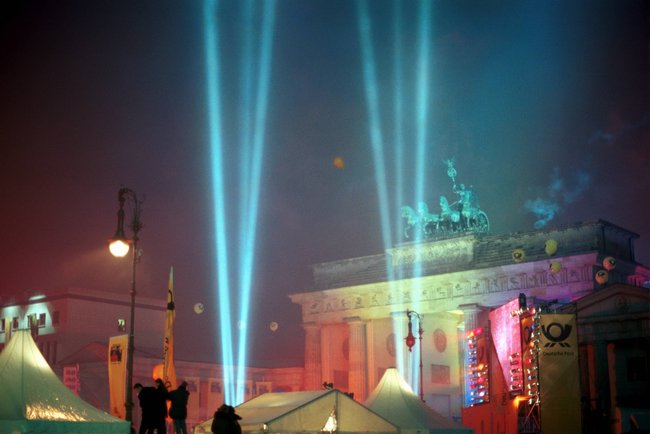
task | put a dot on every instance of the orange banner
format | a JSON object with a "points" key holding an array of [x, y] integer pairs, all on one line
{"points": [[559, 374], [117, 355]]}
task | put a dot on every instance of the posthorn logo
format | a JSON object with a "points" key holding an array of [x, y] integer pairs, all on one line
{"points": [[556, 333]]}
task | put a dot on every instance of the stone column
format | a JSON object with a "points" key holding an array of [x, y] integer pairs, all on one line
{"points": [[357, 373], [615, 411], [470, 315], [313, 379]]}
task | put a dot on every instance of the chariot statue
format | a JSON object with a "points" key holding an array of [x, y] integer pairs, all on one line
{"points": [[460, 216]]}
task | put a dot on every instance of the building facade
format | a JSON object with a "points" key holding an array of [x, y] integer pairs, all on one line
{"points": [[72, 328], [355, 318]]}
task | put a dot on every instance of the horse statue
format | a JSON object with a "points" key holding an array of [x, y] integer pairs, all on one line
{"points": [[463, 215], [430, 222]]}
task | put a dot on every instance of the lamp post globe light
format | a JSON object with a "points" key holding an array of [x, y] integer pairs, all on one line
{"points": [[119, 247], [410, 342]]}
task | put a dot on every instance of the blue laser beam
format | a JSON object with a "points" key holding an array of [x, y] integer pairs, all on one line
{"points": [[372, 100], [252, 122], [379, 151], [218, 188], [250, 222], [422, 100], [398, 143]]}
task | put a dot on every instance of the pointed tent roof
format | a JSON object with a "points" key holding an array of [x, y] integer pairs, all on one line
{"points": [[394, 399], [36, 401], [293, 412]]}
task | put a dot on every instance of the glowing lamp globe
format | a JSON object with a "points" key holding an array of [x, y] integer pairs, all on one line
{"points": [[199, 308], [118, 248], [410, 341]]}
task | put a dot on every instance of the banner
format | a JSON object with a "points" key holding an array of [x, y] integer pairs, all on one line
{"points": [[117, 355], [169, 370], [506, 337], [559, 374]]}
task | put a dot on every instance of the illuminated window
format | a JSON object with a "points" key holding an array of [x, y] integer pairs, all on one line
{"points": [[14, 324], [41, 320]]}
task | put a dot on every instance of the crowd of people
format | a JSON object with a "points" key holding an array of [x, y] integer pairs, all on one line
{"points": [[153, 403]]}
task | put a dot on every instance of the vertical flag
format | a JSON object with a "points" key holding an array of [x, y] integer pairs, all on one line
{"points": [[559, 374], [117, 355], [169, 370]]}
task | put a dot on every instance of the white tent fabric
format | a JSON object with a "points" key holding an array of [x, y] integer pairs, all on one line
{"points": [[34, 400], [299, 412], [394, 400]]}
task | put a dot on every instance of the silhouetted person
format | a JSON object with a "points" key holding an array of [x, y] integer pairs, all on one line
{"points": [[160, 407], [225, 421], [178, 409], [147, 397]]}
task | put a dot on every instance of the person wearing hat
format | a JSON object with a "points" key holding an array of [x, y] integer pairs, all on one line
{"points": [[178, 408]]}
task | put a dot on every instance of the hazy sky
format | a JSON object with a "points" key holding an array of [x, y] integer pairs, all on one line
{"points": [[541, 103]]}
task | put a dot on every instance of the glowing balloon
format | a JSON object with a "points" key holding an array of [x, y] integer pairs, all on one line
{"points": [[602, 277], [518, 255], [338, 163], [199, 308], [158, 371], [273, 326], [550, 247], [555, 267], [609, 263]]}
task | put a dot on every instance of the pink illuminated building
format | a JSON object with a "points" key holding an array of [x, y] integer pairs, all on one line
{"points": [[355, 319]]}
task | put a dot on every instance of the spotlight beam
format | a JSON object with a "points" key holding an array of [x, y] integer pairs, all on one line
{"points": [[372, 100], [218, 188], [422, 99], [250, 222]]}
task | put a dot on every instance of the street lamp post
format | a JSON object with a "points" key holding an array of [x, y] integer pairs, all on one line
{"points": [[410, 342], [119, 247]]}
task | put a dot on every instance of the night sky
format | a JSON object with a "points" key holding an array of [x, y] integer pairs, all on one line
{"points": [[540, 103]]}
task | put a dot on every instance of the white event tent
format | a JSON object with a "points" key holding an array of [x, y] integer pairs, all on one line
{"points": [[34, 400], [301, 412], [394, 400]]}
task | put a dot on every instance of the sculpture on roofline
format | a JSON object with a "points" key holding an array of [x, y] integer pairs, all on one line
{"points": [[462, 215]]}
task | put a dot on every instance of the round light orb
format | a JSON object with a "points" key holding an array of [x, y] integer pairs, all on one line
{"points": [[550, 247], [118, 248], [555, 267], [338, 163], [199, 308], [518, 255], [609, 263], [273, 326], [602, 277]]}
